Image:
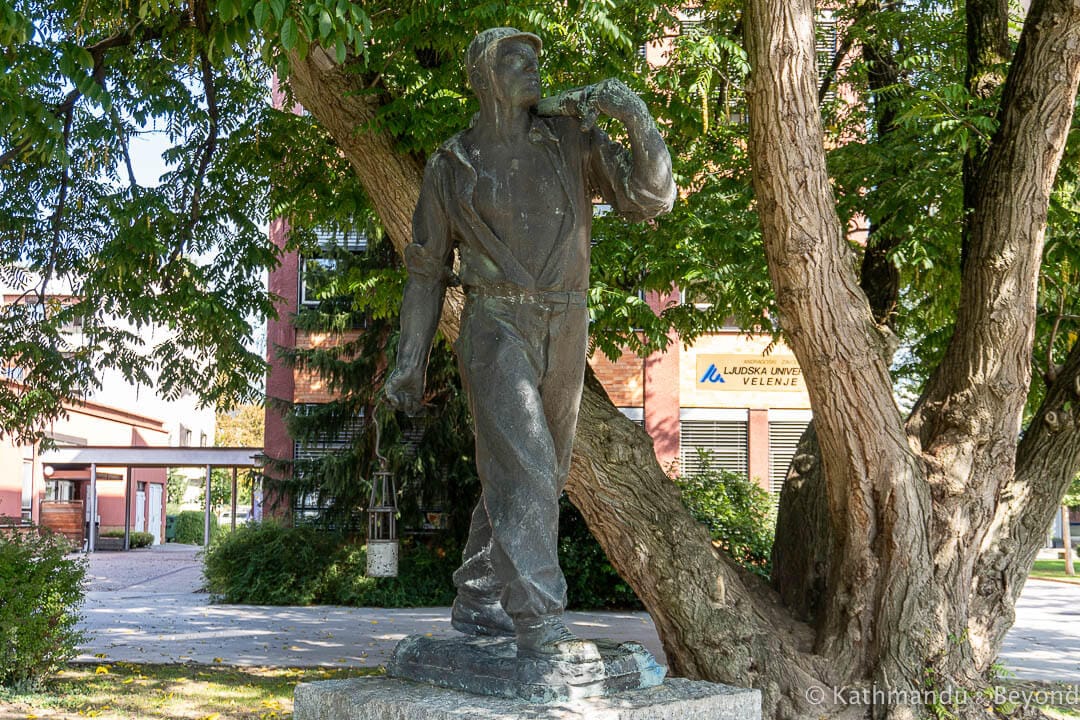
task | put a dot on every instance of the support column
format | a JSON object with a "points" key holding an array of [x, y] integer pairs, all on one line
{"points": [[206, 518], [757, 452], [234, 471], [127, 509], [92, 501], [661, 391]]}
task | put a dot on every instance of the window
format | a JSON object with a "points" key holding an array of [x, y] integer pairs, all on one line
{"points": [[825, 44], [315, 269], [634, 413], [783, 439], [313, 274], [701, 302], [308, 507], [28, 491], [719, 433], [59, 490], [691, 22], [352, 240]]}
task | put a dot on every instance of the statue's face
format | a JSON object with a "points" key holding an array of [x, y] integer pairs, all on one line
{"points": [[517, 74]]}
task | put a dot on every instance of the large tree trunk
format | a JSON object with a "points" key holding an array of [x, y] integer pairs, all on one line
{"points": [[911, 506]]}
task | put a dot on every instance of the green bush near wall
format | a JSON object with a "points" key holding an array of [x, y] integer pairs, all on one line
{"points": [[268, 564], [40, 592], [137, 539], [591, 581], [189, 527], [739, 514]]}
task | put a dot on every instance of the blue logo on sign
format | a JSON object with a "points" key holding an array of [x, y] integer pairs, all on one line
{"points": [[712, 375]]}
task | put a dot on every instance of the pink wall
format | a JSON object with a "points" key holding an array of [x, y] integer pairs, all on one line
{"points": [[758, 450], [11, 459], [89, 424], [662, 391]]}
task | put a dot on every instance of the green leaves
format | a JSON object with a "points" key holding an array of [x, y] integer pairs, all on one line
{"points": [[289, 34], [162, 295]]}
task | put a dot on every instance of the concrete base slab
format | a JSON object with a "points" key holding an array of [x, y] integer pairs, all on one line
{"points": [[491, 666], [379, 698]]}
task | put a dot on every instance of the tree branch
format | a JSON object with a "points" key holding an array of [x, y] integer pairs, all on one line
{"points": [[209, 145], [877, 499], [984, 375], [1047, 460], [124, 148], [98, 51], [57, 218], [987, 52]]}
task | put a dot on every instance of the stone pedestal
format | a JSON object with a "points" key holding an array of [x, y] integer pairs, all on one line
{"points": [[490, 666], [381, 698]]}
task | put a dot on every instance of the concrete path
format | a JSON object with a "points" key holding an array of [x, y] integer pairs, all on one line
{"points": [[145, 606], [1044, 642]]}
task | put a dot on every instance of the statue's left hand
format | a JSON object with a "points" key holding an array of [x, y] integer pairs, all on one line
{"points": [[613, 98], [610, 97]]}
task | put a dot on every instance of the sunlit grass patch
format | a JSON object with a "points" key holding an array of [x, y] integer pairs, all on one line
{"points": [[1055, 570], [118, 690]]}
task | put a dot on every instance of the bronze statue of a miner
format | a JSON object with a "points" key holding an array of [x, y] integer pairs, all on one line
{"points": [[514, 195]]}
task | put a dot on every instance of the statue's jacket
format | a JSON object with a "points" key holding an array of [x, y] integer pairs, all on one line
{"points": [[522, 345], [586, 164]]}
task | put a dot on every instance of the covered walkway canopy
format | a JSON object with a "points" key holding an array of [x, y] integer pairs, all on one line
{"points": [[127, 456]]}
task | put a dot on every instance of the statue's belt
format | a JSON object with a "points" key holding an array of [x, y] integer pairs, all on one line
{"points": [[522, 296]]}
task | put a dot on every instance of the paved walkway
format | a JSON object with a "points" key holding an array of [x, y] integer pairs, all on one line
{"points": [[145, 606]]}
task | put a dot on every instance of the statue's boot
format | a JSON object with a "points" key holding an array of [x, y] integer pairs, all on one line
{"points": [[548, 638], [480, 616]]}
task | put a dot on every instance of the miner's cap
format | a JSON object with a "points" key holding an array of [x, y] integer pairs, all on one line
{"points": [[482, 49]]}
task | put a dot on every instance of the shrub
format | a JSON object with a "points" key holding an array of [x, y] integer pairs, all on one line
{"points": [[738, 513], [141, 539], [591, 581], [189, 527], [40, 591], [136, 539], [267, 564], [425, 577]]}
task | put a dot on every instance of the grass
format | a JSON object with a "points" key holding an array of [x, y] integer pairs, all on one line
{"points": [[124, 691], [1055, 570]]}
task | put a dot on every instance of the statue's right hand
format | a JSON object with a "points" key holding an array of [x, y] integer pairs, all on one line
{"points": [[404, 390]]}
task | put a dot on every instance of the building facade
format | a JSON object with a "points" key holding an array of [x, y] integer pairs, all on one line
{"points": [[35, 493], [118, 413], [740, 399]]}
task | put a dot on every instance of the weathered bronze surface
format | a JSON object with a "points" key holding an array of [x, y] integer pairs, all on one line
{"points": [[513, 194]]}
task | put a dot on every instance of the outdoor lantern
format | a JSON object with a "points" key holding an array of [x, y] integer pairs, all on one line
{"points": [[382, 539]]}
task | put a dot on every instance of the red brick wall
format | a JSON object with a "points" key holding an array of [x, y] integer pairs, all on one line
{"points": [[279, 381], [308, 386], [622, 379]]}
